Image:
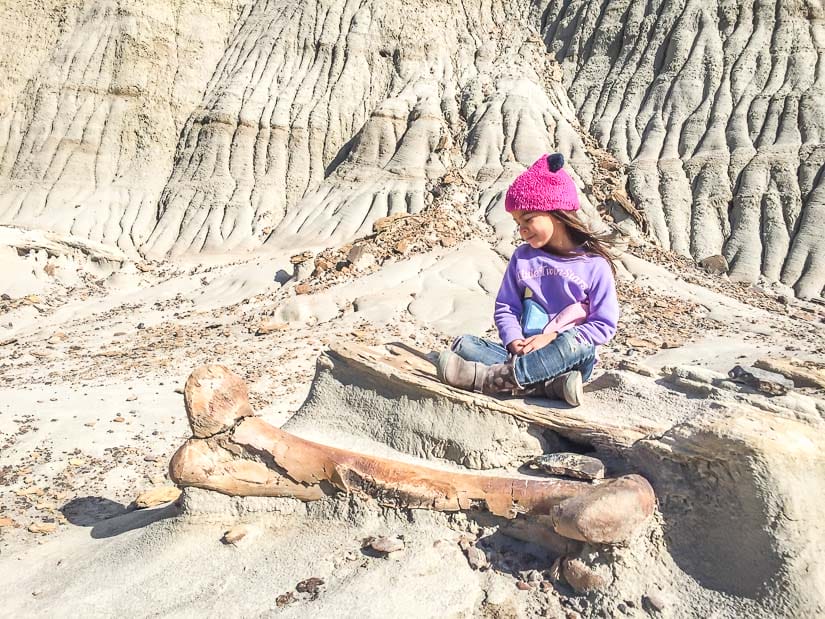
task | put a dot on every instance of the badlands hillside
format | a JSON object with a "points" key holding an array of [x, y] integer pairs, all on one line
{"points": [[217, 125], [310, 194]]}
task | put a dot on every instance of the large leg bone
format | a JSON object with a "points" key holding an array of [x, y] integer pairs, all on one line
{"points": [[248, 456]]}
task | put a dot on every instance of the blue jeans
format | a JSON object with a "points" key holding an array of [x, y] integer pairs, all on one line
{"points": [[563, 354]]}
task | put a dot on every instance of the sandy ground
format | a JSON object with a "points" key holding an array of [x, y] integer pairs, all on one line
{"points": [[93, 360]]}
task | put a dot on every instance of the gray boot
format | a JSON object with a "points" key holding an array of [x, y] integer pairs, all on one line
{"points": [[567, 387], [471, 376]]}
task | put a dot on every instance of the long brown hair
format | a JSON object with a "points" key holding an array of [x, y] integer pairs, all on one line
{"points": [[592, 242]]}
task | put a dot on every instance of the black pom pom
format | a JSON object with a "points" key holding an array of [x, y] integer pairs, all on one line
{"points": [[555, 162]]}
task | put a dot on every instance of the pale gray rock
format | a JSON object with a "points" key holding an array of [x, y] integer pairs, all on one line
{"points": [[301, 123]]}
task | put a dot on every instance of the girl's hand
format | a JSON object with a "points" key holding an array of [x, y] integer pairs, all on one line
{"points": [[537, 341], [515, 347]]}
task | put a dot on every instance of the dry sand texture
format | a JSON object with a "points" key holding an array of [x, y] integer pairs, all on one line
{"points": [[94, 358]]}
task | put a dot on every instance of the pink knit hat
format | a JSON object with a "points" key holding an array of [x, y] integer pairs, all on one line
{"points": [[543, 187]]}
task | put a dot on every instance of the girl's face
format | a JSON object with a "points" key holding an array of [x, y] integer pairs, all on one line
{"points": [[536, 228]]}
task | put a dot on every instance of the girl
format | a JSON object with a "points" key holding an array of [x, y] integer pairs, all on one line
{"points": [[556, 304]]}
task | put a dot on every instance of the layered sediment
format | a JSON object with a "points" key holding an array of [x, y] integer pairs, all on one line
{"points": [[223, 125]]}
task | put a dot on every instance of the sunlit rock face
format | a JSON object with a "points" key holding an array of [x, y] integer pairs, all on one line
{"points": [[95, 95], [717, 107], [223, 125]]}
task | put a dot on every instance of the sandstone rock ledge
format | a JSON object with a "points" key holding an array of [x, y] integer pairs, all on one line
{"points": [[737, 490]]}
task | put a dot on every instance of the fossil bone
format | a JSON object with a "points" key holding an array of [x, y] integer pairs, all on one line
{"points": [[251, 457]]}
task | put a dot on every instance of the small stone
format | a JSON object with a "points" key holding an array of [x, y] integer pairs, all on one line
{"points": [[715, 265], [299, 258], [310, 585], [303, 289], [584, 578], [476, 558], [672, 344], [43, 527], [7, 522], [322, 264], [131, 398], [77, 461], [285, 599], [764, 381], [523, 586], [141, 325], [118, 419], [235, 534], [802, 373], [267, 327], [402, 246], [635, 342], [151, 458], [654, 601], [386, 545], [157, 496], [381, 224], [360, 258], [569, 465], [637, 368]]}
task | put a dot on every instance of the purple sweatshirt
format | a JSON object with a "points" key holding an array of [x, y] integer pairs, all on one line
{"points": [[542, 292]]}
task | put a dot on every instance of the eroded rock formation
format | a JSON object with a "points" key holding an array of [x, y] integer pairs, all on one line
{"points": [[220, 125], [88, 135], [738, 488], [236, 454], [718, 109]]}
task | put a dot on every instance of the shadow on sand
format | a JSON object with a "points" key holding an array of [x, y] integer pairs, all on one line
{"points": [[109, 518]]}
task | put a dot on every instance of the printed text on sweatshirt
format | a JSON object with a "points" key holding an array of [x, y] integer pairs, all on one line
{"points": [[555, 283]]}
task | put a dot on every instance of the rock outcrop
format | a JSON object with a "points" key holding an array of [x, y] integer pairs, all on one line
{"points": [[717, 109], [221, 125], [97, 95], [243, 455], [738, 490]]}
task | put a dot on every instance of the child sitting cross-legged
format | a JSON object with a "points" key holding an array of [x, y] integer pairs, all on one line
{"points": [[556, 304]]}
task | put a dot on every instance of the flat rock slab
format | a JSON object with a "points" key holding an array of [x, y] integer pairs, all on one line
{"points": [[569, 465], [396, 364], [802, 373]]}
